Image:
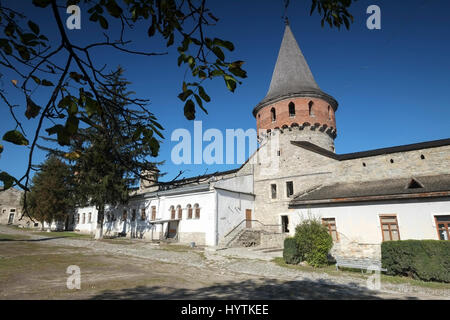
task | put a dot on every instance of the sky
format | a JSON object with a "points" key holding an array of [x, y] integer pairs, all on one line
{"points": [[392, 85]]}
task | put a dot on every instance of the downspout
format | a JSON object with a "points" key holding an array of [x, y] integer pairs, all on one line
{"points": [[216, 242]]}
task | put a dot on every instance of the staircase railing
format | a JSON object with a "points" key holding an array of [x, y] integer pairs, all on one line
{"points": [[255, 225]]}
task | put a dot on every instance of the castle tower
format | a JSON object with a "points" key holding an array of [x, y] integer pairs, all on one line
{"points": [[294, 104]]}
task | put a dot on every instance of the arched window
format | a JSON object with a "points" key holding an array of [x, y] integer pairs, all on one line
{"points": [[291, 109], [197, 211], [311, 111], [189, 210], [180, 212], [90, 217], [329, 113], [172, 212], [273, 114], [83, 218]]}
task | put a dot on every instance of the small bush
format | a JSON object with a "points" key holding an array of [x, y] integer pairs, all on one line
{"points": [[290, 251], [427, 260], [314, 242]]}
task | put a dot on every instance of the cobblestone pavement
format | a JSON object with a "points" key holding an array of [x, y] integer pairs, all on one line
{"points": [[237, 262]]}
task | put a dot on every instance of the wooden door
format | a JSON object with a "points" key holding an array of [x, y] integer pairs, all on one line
{"points": [[248, 217]]}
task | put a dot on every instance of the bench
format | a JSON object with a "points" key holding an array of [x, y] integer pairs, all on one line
{"points": [[363, 264]]}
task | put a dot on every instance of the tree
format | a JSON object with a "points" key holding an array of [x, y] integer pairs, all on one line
{"points": [[109, 162], [75, 86], [51, 196]]}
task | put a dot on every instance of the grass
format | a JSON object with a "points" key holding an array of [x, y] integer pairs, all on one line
{"points": [[65, 234], [331, 270], [12, 237]]}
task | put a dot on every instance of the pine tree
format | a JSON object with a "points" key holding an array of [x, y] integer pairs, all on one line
{"points": [[109, 156], [51, 196]]}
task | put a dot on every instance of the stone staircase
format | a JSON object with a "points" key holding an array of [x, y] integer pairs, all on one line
{"points": [[246, 238]]}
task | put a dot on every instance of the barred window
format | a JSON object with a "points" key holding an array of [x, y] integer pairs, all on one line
{"points": [[153, 213], [443, 227], [180, 212], [143, 214], [189, 210]]}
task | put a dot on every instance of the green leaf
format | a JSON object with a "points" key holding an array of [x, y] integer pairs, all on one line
{"points": [[189, 110], [200, 103], [41, 3], [225, 44], [238, 72], [103, 22], [203, 94], [113, 9], [230, 82], [32, 109], [46, 83], [34, 27], [72, 125], [36, 79], [7, 179], [219, 53], [15, 137], [184, 95], [76, 76]]}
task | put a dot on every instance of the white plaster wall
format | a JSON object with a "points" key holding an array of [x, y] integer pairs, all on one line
{"points": [[361, 223], [231, 209], [239, 184]]}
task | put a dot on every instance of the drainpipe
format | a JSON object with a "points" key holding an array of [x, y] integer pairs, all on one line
{"points": [[216, 242]]}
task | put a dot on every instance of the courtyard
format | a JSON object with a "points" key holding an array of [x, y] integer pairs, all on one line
{"points": [[33, 265]]}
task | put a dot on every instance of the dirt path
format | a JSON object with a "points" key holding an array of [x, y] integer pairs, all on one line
{"points": [[34, 267]]}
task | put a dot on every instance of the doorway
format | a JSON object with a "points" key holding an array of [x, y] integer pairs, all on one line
{"points": [[285, 224], [248, 218], [172, 230], [11, 218]]}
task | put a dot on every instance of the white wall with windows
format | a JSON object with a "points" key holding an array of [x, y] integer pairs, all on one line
{"points": [[362, 223]]}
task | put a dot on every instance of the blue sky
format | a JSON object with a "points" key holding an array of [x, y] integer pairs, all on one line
{"points": [[392, 85]]}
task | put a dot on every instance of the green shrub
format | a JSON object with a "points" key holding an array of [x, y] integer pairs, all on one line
{"points": [[314, 242], [427, 260], [290, 251]]}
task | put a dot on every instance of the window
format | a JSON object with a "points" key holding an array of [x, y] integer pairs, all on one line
{"points": [[289, 188], [329, 113], [83, 218], [189, 210], [133, 215], [143, 214], [124, 215], [414, 184], [197, 211], [330, 224], [273, 114], [291, 109], [443, 227], [285, 224], [311, 111], [273, 189], [89, 217], [389, 228], [153, 213], [180, 212], [172, 212], [77, 219]]}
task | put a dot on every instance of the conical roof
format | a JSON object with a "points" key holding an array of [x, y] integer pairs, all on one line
{"points": [[292, 76]]}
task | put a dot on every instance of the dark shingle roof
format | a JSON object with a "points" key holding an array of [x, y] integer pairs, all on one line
{"points": [[292, 76], [370, 153], [388, 189]]}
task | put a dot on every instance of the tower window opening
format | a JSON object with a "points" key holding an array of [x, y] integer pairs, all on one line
{"points": [[291, 109], [311, 111], [392, 160], [273, 114], [329, 113], [289, 189], [422, 157]]}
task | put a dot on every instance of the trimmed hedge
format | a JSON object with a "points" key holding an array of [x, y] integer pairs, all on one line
{"points": [[290, 251], [427, 260]]}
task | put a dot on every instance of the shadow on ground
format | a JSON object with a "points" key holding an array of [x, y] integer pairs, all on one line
{"points": [[31, 240], [249, 289]]}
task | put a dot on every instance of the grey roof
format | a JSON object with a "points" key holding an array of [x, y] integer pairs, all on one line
{"points": [[292, 76], [370, 153], [388, 189]]}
